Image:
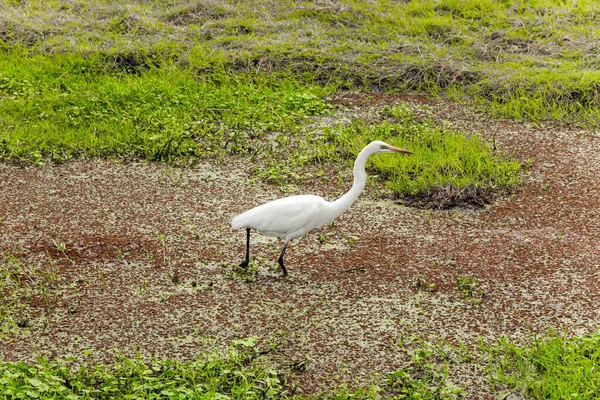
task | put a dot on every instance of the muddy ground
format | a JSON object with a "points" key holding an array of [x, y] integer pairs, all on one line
{"points": [[149, 249]]}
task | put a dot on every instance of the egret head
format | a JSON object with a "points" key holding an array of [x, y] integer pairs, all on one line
{"points": [[382, 147]]}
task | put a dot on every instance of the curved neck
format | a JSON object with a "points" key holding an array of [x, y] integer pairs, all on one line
{"points": [[360, 179]]}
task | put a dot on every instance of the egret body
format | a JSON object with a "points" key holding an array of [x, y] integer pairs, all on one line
{"points": [[292, 217]]}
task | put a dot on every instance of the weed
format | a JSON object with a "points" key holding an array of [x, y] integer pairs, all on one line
{"points": [[420, 283], [60, 246], [552, 366], [351, 239], [235, 374], [468, 289], [143, 286], [195, 231], [20, 284], [322, 238], [246, 275]]}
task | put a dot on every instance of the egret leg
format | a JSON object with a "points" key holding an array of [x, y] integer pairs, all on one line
{"points": [[245, 263], [280, 260]]}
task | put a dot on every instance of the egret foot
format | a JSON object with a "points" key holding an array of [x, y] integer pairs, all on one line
{"points": [[244, 264]]}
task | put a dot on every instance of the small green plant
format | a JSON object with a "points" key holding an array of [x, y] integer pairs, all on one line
{"points": [[420, 283], [194, 231], [351, 239], [60, 245], [468, 289], [246, 275], [322, 238], [425, 379], [20, 283], [234, 374], [143, 286]]}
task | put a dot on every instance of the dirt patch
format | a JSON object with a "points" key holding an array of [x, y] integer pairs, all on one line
{"points": [[353, 292], [362, 100]]}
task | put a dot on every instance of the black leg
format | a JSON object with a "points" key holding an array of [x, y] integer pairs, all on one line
{"points": [[245, 263], [280, 260]]}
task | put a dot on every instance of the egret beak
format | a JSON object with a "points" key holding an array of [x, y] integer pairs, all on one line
{"points": [[399, 150]]}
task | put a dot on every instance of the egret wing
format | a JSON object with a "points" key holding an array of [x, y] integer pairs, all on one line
{"points": [[283, 216]]}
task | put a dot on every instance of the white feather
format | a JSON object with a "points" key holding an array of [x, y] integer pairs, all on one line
{"points": [[295, 216], [288, 218]]}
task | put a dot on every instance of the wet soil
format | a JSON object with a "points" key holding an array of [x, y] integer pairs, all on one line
{"points": [[149, 247]]}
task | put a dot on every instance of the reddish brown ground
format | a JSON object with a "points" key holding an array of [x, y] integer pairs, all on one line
{"points": [[129, 228]]}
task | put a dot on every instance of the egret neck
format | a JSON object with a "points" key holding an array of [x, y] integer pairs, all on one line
{"points": [[360, 179]]}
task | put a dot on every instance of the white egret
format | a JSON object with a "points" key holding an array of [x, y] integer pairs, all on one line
{"points": [[292, 217]]}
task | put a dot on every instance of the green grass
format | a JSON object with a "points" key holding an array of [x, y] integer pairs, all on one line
{"points": [[241, 372], [21, 285], [57, 107], [62, 106], [211, 376], [447, 168], [527, 60], [554, 366], [551, 367]]}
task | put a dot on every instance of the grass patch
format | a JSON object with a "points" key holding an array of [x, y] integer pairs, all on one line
{"points": [[448, 168], [553, 366], [63, 106], [512, 59], [241, 372]]}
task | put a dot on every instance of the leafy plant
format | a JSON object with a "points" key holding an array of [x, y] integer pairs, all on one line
{"points": [[468, 288], [211, 375], [423, 284]]}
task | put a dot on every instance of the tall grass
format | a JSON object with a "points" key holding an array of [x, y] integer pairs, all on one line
{"points": [[553, 366]]}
